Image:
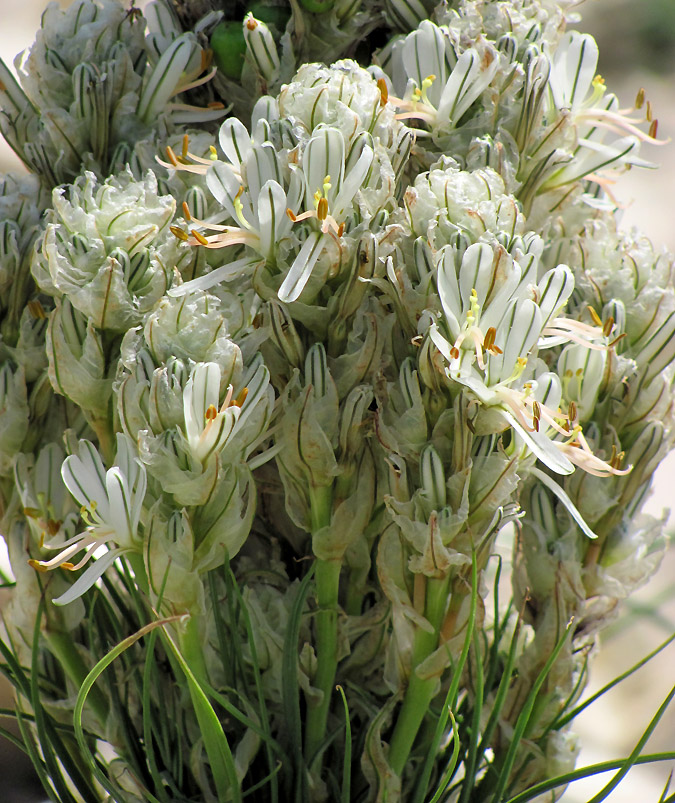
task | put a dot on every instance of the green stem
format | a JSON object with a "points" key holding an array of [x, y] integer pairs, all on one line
{"points": [[191, 648], [66, 653], [327, 584], [420, 691]]}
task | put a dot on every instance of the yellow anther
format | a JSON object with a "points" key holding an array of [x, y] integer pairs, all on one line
{"points": [[213, 153], [186, 146], [178, 233], [640, 98], [199, 237], [241, 398], [68, 566], [326, 186], [384, 92], [607, 326], [35, 564], [597, 320], [322, 209], [211, 412], [36, 310], [572, 411], [648, 112], [186, 211], [171, 156], [653, 129]]}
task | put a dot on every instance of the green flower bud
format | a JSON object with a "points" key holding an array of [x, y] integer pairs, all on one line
{"points": [[170, 559], [14, 415], [433, 478], [261, 48], [77, 364]]}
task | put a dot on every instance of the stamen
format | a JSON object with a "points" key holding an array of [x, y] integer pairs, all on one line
{"points": [[178, 233], [572, 412], [36, 310], [35, 564], [210, 413], [186, 211], [640, 98], [241, 398], [171, 156], [648, 112], [322, 209], [199, 237], [653, 128], [251, 22], [616, 340], [607, 326], [291, 214], [186, 141], [597, 320], [384, 92]]}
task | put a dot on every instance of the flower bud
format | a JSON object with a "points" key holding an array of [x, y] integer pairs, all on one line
{"points": [[77, 365], [14, 415], [433, 478], [285, 335], [261, 48], [581, 371]]}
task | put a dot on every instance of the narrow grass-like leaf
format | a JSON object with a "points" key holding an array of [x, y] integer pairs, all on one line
{"points": [[585, 772], [450, 769], [216, 745], [568, 717], [35, 757], [663, 798], [524, 718], [289, 675], [451, 696], [148, 736], [616, 780], [347, 759], [51, 746], [86, 687], [264, 730], [472, 752]]}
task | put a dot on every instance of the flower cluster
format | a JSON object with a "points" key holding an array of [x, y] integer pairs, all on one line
{"points": [[275, 389]]}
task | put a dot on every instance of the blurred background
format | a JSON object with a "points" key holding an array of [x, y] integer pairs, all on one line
{"points": [[637, 49]]}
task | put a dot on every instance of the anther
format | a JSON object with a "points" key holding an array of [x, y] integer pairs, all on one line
{"points": [[199, 237], [384, 92], [241, 398], [211, 412], [178, 233], [597, 320]]}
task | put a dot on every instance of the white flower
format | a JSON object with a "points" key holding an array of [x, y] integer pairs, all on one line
{"points": [[209, 424], [111, 504], [578, 92], [442, 87]]}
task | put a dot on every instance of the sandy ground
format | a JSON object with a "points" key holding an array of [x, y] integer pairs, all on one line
{"points": [[611, 727]]}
